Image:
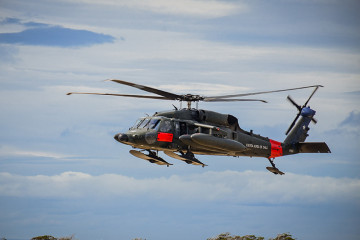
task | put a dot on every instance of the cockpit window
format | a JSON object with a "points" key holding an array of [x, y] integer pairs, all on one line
{"points": [[153, 123], [138, 122], [144, 123], [147, 123]]}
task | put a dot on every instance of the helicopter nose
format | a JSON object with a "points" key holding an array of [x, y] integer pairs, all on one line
{"points": [[121, 137]]}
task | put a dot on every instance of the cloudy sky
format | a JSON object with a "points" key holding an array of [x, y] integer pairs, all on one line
{"points": [[62, 173]]}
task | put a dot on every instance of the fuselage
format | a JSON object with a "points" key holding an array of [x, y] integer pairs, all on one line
{"points": [[201, 131]]}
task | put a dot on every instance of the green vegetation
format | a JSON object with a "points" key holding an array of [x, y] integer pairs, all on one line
{"points": [[45, 237], [222, 236], [48, 237], [227, 236]]}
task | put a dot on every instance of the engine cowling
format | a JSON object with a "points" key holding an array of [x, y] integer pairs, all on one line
{"points": [[217, 118]]}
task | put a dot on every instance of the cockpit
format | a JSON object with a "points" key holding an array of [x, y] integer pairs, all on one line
{"points": [[146, 123]]}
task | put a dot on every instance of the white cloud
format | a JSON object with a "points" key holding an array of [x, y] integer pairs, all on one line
{"points": [[144, 48], [13, 151], [240, 187], [195, 8]]}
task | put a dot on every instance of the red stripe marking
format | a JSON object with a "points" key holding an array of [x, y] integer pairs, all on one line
{"points": [[164, 137], [276, 149]]}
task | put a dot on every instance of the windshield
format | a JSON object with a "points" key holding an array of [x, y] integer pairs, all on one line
{"points": [[138, 122], [144, 123], [148, 123], [153, 123]]}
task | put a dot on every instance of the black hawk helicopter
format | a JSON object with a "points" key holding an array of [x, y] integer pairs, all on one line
{"points": [[182, 133]]}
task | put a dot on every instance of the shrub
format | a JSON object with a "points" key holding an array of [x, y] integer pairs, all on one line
{"points": [[45, 237]]}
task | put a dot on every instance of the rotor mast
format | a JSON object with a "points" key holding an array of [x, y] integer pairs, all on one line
{"points": [[191, 98], [189, 104]]}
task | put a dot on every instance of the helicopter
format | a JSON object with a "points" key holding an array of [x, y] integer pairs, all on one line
{"points": [[182, 133]]}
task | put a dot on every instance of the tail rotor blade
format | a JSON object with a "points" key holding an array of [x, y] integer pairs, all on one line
{"points": [[300, 108], [314, 120], [294, 103], [293, 123]]}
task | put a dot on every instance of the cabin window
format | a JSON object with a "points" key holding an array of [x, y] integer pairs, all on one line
{"points": [[192, 129], [234, 135], [165, 126], [183, 128], [205, 130], [177, 128]]}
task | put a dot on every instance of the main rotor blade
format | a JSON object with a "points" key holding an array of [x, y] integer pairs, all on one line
{"points": [[256, 93], [122, 95], [165, 94], [312, 95], [231, 100]]}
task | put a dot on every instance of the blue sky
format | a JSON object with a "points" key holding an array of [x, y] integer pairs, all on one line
{"points": [[62, 173]]}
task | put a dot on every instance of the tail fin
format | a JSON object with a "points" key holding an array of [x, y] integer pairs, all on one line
{"points": [[295, 141], [299, 132]]}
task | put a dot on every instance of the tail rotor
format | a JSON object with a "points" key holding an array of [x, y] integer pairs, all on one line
{"points": [[302, 109]]}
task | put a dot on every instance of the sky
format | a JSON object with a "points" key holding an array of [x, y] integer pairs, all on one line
{"points": [[62, 173]]}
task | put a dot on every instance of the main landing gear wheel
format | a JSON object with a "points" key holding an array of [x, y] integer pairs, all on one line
{"points": [[274, 169]]}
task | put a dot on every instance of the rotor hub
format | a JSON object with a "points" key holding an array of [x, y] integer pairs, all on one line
{"points": [[191, 98], [307, 112]]}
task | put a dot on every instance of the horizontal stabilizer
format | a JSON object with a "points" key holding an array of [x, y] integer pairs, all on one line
{"points": [[313, 147]]}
